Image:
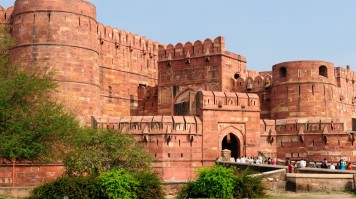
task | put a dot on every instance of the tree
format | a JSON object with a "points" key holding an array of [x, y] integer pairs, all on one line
{"points": [[32, 122], [96, 150]]}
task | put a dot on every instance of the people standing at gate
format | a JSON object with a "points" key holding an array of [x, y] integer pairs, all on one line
{"points": [[324, 165], [342, 164], [332, 166], [290, 167], [295, 166], [303, 163], [315, 165], [349, 166]]}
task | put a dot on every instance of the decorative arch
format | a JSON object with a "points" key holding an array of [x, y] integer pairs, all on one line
{"points": [[249, 83], [183, 95], [232, 130], [214, 87], [259, 81], [268, 81], [183, 103]]}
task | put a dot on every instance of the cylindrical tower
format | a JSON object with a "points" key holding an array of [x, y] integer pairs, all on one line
{"points": [[303, 89], [61, 35]]}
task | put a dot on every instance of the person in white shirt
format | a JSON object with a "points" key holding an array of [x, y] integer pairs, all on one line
{"points": [[332, 166], [303, 163]]}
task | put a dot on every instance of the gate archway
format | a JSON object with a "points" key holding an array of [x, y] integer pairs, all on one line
{"points": [[233, 139], [231, 142]]}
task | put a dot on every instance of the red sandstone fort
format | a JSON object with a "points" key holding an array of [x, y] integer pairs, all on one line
{"points": [[189, 101]]}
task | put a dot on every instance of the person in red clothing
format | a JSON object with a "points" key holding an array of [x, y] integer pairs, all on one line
{"points": [[349, 166], [290, 167]]}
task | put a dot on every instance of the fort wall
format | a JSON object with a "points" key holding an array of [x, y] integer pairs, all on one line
{"points": [[174, 141], [345, 96], [127, 61]]}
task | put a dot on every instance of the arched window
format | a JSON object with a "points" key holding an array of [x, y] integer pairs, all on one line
{"points": [[323, 71], [236, 76], [282, 72]]}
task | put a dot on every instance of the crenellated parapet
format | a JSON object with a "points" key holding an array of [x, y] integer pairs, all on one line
{"points": [[252, 84], [227, 101], [5, 15], [309, 125], [121, 39], [189, 49], [146, 125], [344, 76]]}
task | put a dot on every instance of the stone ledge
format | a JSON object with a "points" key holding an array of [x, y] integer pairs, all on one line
{"points": [[320, 176]]}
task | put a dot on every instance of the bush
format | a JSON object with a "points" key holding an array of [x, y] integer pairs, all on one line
{"points": [[247, 186], [72, 187], [216, 182], [222, 182], [150, 185], [119, 184]]}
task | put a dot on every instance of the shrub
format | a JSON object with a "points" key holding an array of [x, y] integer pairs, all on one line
{"points": [[150, 185], [215, 182], [119, 184], [222, 182], [72, 187], [247, 186]]}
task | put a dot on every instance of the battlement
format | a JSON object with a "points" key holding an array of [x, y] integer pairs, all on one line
{"points": [[249, 83], [151, 124], [345, 73], [189, 49], [123, 39], [5, 14], [309, 125], [228, 101]]}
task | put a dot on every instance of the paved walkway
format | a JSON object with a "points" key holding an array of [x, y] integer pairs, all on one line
{"points": [[313, 195]]}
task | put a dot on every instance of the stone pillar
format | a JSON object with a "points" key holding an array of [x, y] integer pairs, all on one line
{"points": [[225, 155]]}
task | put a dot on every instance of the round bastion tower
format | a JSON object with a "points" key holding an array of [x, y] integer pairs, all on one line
{"points": [[61, 35], [303, 89]]}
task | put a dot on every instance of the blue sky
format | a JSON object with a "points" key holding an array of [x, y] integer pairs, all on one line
{"points": [[266, 32]]}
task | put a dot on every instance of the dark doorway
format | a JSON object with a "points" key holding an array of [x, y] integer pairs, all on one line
{"points": [[231, 143]]}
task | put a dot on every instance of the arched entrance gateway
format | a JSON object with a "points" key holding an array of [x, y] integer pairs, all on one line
{"points": [[232, 138], [231, 142]]}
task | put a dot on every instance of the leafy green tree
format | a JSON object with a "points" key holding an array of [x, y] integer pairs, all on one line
{"points": [[96, 150], [32, 123]]}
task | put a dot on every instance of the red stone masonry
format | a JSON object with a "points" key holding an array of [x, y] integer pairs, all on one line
{"points": [[185, 102], [175, 141]]}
